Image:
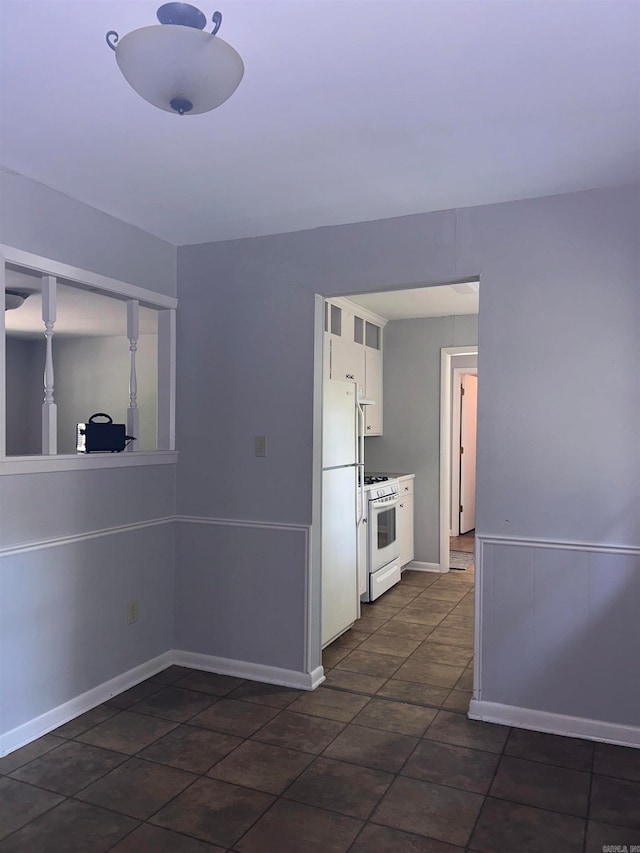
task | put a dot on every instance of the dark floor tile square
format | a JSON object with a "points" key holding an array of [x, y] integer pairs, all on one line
{"points": [[437, 592], [427, 672], [418, 616], [371, 663], [350, 639], [620, 761], [299, 731], [213, 811], [386, 645], [442, 813], [331, 704], [153, 839], [383, 839], [173, 703], [411, 691], [71, 827], [545, 786], [368, 624], [86, 721], [208, 682], [340, 787], [453, 637], [615, 801], [458, 700], [189, 748], [234, 717], [465, 682], [383, 611], [27, 753], [137, 788], [171, 674], [20, 803], [127, 732], [456, 766], [449, 727], [69, 768], [415, 577], [601, 836], [130, 697], [356, 682], [400, 595], [261, 766], [290, 827], [508, 827], [398, 717], [331, 656], [372, 748], [272, 695], [410, 630], [569, 752], [443, 654]]}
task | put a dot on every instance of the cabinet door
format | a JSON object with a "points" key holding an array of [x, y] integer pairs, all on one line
{"points": [[373, 391], [405, 522], [347, 362]]}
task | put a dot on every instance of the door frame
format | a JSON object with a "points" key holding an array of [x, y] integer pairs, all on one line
{"points": [[447, 354], [454, 502]]}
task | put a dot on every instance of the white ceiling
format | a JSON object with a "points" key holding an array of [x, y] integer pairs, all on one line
{"points": [[442, 301], [350, 110]]}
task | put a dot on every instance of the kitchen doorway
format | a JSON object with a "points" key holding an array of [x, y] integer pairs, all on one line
{"points": [[455, 362]]}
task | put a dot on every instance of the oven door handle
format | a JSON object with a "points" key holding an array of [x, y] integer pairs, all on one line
{"points": [[384, 503]]}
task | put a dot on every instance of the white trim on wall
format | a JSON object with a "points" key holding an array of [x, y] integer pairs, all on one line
{"points": [[528, 718], [252, 671], [85, 461], [50, 720], [557, 724], [71, 273], [83, 537]]}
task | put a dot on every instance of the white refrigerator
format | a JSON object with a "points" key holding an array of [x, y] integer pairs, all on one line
{"points": [[340, 477]]}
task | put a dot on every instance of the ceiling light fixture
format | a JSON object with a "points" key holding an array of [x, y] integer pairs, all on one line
{"points": [[13, 299], [177, 66]]}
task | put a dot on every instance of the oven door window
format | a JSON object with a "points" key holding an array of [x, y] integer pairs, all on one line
{"points": [[386, 527]]}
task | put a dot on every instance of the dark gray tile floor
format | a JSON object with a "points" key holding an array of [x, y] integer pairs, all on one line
{"points": [[380, 759]]}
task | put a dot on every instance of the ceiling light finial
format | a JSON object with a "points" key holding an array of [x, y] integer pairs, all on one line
{"points": [[177, 66]]}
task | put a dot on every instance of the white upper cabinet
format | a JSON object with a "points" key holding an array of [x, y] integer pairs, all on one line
{"points": [[353, 353]]}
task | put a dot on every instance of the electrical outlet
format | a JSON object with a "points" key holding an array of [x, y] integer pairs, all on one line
{"points": [[132, 612], [261, 445]]}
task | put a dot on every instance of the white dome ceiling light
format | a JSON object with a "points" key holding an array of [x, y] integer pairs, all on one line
{"points": [[14, 299], [177, 66]]}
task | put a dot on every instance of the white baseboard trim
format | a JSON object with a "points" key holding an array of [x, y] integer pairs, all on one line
{"points": [[252, 671], [33, 729], [417, 566], [557, 724]]}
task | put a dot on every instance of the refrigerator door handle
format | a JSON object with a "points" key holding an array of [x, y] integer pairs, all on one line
{"points": [[360, 463]]}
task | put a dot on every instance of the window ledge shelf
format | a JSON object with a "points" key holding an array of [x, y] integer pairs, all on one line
{"points": [[85, 461]]}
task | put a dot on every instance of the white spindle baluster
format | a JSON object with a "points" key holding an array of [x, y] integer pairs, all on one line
{"points": [[49, 408], [133, 415]]}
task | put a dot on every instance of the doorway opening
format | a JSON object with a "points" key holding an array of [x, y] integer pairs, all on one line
{"points": [[458, 421]]}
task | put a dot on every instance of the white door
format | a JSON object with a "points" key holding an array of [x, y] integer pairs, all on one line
{"points": [[468, 418]]}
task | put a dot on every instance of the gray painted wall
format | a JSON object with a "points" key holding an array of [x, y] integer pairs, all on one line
{"points": [[38, 219], [63, 607], [557, 450], [411, 440], [24, 369]]}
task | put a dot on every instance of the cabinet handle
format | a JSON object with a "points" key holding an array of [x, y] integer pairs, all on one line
{"points": [[406, 488], [401, 506], [368, 427], [349, 376]]}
